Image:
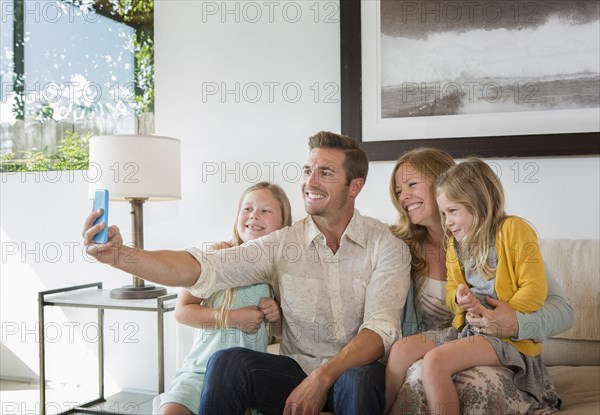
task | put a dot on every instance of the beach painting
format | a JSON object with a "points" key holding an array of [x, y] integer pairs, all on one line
{"points": [[441, 58]]}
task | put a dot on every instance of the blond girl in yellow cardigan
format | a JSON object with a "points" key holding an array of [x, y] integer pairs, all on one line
{"points": [[488, 253]]}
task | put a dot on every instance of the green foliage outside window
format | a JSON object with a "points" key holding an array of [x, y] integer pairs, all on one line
{"points": [[72, 154]]}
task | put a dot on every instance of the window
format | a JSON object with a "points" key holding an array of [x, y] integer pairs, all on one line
{"points": [[71, 70]]}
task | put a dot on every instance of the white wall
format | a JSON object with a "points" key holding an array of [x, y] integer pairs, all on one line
{"points": [[279, 69], [196, 51]]}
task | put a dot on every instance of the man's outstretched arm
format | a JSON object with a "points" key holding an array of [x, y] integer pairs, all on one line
{"points": [[171, 268]]}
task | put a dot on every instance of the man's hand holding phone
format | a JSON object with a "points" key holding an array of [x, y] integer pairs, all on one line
{"points": [[101, 241]]}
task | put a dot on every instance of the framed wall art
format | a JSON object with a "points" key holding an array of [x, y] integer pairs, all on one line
{"points": [[486, 78]]}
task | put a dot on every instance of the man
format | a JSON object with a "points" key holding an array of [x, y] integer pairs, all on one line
{"points": [[341, 279]]}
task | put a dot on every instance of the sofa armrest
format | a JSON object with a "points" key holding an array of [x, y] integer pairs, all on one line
{"points": [[565, 352]]}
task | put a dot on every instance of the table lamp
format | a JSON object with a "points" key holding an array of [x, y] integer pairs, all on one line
{"points": [[136, 169]]}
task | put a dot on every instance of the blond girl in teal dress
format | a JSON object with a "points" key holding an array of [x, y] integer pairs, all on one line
{"points": [[231, 317]]}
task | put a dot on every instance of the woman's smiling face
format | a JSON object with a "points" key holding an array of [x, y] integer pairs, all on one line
{"points": [[415, 194]]}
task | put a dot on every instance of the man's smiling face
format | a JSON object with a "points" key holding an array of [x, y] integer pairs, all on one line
{"points": [[324, 187]]}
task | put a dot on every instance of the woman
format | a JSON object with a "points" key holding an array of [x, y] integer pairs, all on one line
{"points": [[420, 226]]}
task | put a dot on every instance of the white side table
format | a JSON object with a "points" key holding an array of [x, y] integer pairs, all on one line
{"points": [[93, 296]]}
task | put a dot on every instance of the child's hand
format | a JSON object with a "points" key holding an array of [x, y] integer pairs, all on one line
{"points": [[248, 318], [270, 309], [467, 301]]}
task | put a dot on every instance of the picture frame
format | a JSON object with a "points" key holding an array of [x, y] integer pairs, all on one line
{"points": [[489, 146]]}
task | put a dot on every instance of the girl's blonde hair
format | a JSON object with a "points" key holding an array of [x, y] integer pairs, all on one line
{"points": [[474, 184], [286, 220], [430, 162]]}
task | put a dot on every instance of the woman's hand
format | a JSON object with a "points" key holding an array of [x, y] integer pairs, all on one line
{"points": [[499, 321]]}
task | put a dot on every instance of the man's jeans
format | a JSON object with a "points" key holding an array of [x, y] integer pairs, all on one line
{"points": [[239, 378]]}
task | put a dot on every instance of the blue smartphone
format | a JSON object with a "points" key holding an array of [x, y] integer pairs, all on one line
{"points": [[101, 202]]}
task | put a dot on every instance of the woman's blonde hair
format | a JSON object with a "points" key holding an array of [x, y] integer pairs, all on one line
{"points": [[474, 184], [286, 220], [430, 162]]}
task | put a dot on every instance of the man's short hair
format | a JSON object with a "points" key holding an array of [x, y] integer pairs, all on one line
{"points": [[356, 162]]}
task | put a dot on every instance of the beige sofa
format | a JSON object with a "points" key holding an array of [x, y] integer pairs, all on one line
{"points": [[573, 357]]}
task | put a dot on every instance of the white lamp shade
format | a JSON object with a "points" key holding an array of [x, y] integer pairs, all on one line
{"points": [[135, 166]]}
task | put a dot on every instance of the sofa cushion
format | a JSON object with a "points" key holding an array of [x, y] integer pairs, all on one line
{"points": [[575, 265], [578, 387], [563, 352]]}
